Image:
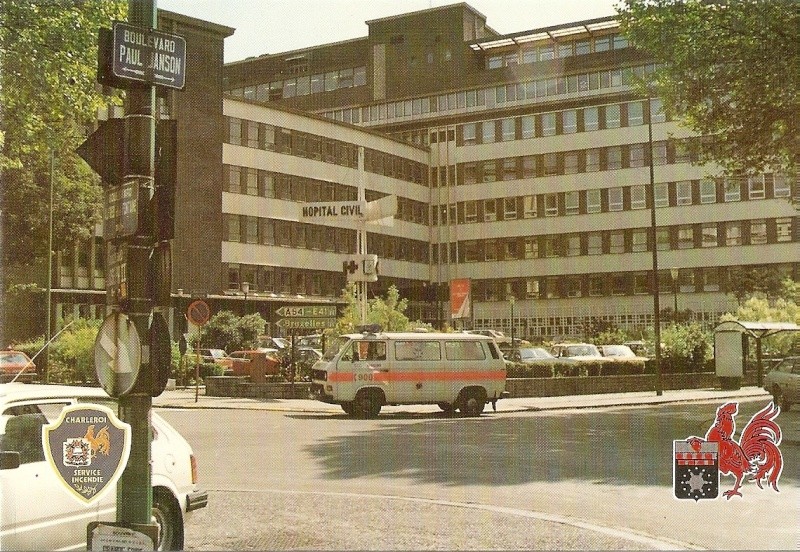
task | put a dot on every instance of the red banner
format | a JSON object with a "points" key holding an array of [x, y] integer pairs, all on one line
{"points": [[460, 298]]}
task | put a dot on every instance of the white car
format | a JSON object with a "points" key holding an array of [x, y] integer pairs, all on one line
{"points": [[783, 382], [37, 511]]}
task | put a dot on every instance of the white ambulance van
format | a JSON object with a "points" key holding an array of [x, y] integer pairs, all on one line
{"points": [[364, 371]]}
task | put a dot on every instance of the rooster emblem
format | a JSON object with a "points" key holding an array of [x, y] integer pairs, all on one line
{"points": [[100, 442], [756, 455]]}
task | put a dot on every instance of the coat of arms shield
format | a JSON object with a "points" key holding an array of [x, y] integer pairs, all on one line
{"points": [[88, 447]]}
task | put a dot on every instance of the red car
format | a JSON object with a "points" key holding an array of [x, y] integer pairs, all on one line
{"points": [[16, 362]]}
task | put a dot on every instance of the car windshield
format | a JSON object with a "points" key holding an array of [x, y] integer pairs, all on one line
{"points": [[13, 358], [617, 351], [334, 346], [580, 350]]}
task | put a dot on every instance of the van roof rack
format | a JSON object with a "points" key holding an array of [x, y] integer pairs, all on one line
{"points": [[369, 329]]}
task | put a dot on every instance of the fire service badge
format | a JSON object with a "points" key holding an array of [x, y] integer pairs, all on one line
{"points": [[88, 447]]}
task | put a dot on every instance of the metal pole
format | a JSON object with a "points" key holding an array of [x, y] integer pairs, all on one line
{"points": [[653, 237], [49, 272], [134, 490]]}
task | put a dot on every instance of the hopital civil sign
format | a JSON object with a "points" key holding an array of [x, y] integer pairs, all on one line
{"points": [[149, 56]]}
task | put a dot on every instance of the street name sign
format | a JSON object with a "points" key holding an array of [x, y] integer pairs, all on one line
{"points": [[306, 323], [308, 311], [149, 56]]}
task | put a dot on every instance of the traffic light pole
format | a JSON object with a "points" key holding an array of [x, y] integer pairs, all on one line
{"points": [[134, 489]]}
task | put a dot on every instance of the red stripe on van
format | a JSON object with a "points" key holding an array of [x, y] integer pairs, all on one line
{"points": [[377, 375]]}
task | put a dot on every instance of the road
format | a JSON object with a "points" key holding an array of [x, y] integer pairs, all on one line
{"points": [[566, 479]]}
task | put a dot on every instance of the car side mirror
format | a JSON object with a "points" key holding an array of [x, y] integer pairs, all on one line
{"points": [[9, 460]]}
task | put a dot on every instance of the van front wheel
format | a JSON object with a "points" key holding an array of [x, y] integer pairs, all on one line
{"points": [[367, 404]]}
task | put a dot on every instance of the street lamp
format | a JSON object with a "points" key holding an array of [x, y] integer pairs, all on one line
{"points": [[245, 289], [511, 301], [654, 242], [674, 273]]}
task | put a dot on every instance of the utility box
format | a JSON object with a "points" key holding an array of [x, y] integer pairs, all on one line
{"points": [[729, 358]]}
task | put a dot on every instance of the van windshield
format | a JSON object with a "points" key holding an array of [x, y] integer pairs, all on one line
{"points": [[333, 346]]}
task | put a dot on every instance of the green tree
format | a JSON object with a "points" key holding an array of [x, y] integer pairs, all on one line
{"points": [[686, 347], [48, 100], [388, 313], [729, 70], [226, 330], [745, 282]]}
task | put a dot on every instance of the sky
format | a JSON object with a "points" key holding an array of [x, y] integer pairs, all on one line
{"points": [[274, 26]]}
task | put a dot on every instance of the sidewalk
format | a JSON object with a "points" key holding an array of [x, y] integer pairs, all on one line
{"points": [[186, 398], [789, 422]]}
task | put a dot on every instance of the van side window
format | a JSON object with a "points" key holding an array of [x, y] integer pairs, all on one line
{"points": [[464, 350], [417, 350], [370, 350], [494, 350]]}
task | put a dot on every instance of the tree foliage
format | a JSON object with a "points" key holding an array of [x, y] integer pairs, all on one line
{"points": [[389, 313], [730, 71], [231, 332], [48, 101]]}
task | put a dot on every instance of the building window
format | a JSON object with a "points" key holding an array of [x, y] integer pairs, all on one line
{"points": [[470, 251], [234, 228], [639, 241], [548, 124], [591, 119], [635, 114], [550, 162], [470, 171], [616, 242], [709, 231], [708, 191], [615, 199], [781, 186], [551, 205], [784, 229], [662, 194], [551, 246], [489, 210], [528, 124], [657, 114], [594, 243], [755, 187], [571, 203], [593, 201], [612, 116], [685, 236], [531, 288], [490, 251], [510, 168], [235, 131], [573, 242], [469, 132], [710, 279], [662, 239], [470, 211], [613, 157], [529, 203], [592, 160], [660, 153], [758, 232], [569, 121], [252, 182], [528, 166], [487, 132], [509, 208], [596, 285], [509, 129], [619, 284], [641, 283], [733, 190], [733, 233], [571, 162], [636, 155], [683, 192], [531, 248], [489, 171], [638, 196]]}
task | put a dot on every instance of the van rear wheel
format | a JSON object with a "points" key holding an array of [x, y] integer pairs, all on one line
{"points": [[367, 404], [473, 402]]}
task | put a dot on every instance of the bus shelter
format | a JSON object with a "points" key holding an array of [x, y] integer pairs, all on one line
{"points": [[730, 345]]}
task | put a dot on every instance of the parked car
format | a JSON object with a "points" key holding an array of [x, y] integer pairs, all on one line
{"points": [[577, 351], [16, 364], [256, 363], [499, 337], [616, 351], [314, 341], [783, 381], [638, 347], [530, 354], [38, 514]]}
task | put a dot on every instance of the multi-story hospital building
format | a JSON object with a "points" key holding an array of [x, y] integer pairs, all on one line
{"points": [[520, 162]]}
